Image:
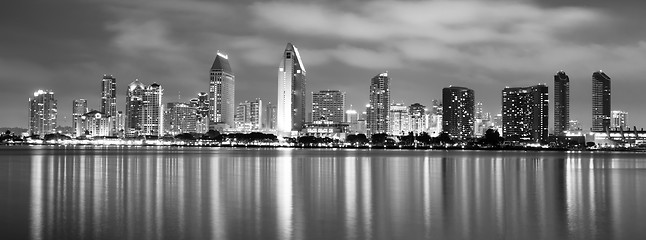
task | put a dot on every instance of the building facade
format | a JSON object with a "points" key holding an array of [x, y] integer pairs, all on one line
{"points": [[379, 106], [249, 115], [180, 118], [109, 98], [418, 118], [290, 105], [328, 105], [221, 92], [619, 119], [561, 103], [525, 113], [43, 113], [600, 101], [144, 110], [399, 119], [97, 124], [457, 112], [79, 107]]}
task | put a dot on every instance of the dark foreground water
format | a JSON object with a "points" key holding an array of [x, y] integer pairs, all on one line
{"points": [[211, 193]]}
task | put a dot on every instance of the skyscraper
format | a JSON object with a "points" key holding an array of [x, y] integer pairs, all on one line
{"points": [[134, 105], [399, 119], [79, 108], [600, 101], [525, 113], [270, 116], [144, 110], [457, 111], [379, 106], [180, 118], [291, 92], [561, 103], [152, 116], [109, 99], [329, 105], [201, 104], [221, 92], [418, 118], [43, 112], [249, 115]]}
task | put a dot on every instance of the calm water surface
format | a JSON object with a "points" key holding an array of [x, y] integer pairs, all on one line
{"points": [[221, 193]]}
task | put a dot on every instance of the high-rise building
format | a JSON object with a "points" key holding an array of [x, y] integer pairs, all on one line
{"points": [[121, 123], [399, 119], [249, 115], [458, 111], [418, 118], [180, 118], [525, 113], [79, 108], [152, 111], [134, 105], [221, 92], [43, 112], [201, 104], [561, 103], [291, 92], [352, 118], [619, 119], [269, 116], [479, 113], [144, 110], [328, 105], [379, 107], [109, 99], [600, 101]]}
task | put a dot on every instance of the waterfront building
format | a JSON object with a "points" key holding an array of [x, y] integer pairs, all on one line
{"points": [[109, 99], [269, 116], [249, 115], [144, 110], [418, 118], [561, 103], [96, 124], [43, 112], [79, 107], [379, 107], [458, 112], [399, 116], [180, 118], [600, 101], [328, 105], [619, 119], [121, 123], [525, 113], [221, 92], [290, 105]]}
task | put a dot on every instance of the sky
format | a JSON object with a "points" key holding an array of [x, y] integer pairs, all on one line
{"points": [[425, 45]]}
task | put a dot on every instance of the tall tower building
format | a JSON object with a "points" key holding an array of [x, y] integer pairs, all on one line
{"points": [[43, 112], [152, 116], [290, 106], [600, 101], [270, 116], [457, 111], [109, 99], [525, 113], [221, 92], [379, 106], [134, 105], [79, 107], [561, 103], [399, 119], [328, 104], [418, 118]]}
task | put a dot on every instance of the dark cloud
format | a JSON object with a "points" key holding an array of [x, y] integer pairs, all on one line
{"points": [[425, 45]]}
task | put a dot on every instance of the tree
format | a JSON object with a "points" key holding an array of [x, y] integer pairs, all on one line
{"points": [[492, 137], [378, 139], [211, 135], [444, 138]]}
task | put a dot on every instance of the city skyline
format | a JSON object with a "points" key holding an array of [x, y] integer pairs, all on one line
{"points": [[129, 45]]}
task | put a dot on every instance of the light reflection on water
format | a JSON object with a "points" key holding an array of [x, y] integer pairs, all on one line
{"points": [[184, 193]]}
